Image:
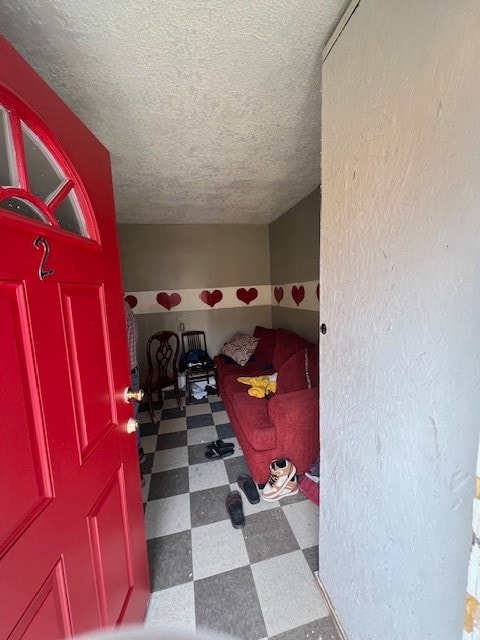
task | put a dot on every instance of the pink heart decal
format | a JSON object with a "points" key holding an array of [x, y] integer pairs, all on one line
{"points": [[211, 297], [318, 291], [132, 301], [247, 296], [278, 293], [169, 300], [298, 294]]}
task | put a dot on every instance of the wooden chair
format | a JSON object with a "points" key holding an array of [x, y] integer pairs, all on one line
{"points": [[196, 341], [162, 358]]}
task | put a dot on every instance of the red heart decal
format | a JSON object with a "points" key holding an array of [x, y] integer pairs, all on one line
{"points": [[247, 296], [318, 291], [132, 301], [298, 294], [169, 300], [211, 297], [278, 293]]}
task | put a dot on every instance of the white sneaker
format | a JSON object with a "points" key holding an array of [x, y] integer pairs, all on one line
{"points": [[282, 482]]}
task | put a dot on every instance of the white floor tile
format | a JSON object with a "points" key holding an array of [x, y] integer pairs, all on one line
{"points": [[303, 518], [167, 515], [171, 403], [286, 608], [172, 425], [202, 435], [207, 475], [149, 443], [220, 417], [172, 608], [198, 409], [217, 548], [170, 459]]}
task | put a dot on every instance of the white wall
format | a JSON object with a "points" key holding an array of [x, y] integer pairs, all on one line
{"points": [[400, 278]]}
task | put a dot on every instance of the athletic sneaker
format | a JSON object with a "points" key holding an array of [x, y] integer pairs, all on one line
{"points": [[282, 482]]}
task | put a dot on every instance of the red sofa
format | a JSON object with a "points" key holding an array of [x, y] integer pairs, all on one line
{"points": [[285, 425]]}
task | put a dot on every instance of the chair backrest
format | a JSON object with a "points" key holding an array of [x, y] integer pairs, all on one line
{"points": [[162, 356], [194, 341]]}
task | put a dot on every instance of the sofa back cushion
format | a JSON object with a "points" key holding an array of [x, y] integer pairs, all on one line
{"points": [[266, 344], [286, 344], [300, 371]]}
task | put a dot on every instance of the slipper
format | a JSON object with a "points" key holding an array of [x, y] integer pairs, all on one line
{"points": [[216, 452], [235, 509], [220, 444], [249, 488]]}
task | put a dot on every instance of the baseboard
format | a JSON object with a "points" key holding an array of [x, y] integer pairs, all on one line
{"points": [[341, 632]]}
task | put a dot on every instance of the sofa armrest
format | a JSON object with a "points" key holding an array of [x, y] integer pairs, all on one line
{"points": [[295, 416]]}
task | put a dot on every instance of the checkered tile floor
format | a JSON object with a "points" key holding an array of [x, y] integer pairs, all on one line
{"points": [[254, 583]]}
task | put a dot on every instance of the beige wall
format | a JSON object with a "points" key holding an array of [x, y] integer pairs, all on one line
{"points": [[188, 257], [178, 256], [294, 258]]}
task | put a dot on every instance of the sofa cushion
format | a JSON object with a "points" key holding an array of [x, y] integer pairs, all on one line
{"points": [[287, 343], [299, 372], [266, 344], [240, 347], [252, 413]]}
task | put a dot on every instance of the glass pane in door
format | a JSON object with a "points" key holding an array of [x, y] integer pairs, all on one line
{"points": [[69, 216], [44, 174], [8, 174]]}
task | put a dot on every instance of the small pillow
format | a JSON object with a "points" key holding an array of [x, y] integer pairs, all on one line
{"points": [[294, 374], [240, 348]]}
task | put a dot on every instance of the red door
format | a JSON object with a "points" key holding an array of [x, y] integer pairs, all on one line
{"points": [[72, 540]]}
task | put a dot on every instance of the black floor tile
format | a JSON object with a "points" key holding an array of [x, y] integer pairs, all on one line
{"points": [[148, 429], [217, 406], [168, 483], [268, 534], [172, 440], [232, 593], [203, 420], [311, 556], [236, 467], [146, 467], [225, 431], [170, 560], [208, 506], [175, 412]]}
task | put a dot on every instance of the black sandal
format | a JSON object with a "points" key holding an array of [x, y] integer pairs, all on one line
{"points": [[249, 488], [214, 452], [220, 444], [235, 510]]}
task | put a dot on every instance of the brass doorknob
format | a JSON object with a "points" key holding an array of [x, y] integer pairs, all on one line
{"points": [[130, 395], [132, 425]]}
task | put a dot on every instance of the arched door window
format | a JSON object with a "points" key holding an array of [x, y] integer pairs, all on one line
{"points": [[35, 179]]}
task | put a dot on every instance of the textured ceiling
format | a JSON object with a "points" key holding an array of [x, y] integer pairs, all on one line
{"points": [[210, 108]]}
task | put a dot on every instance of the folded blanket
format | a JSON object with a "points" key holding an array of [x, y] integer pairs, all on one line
{"points": [[261, 386]]}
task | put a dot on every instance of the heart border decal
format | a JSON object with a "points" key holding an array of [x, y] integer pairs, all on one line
{"points": [[168, 300], [247, 295], [211, 297], [298, 294]]}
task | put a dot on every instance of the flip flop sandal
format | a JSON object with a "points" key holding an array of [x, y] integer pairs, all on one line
{"points": [[220, 444], [235, 509], [217, 452], [249, 488]]}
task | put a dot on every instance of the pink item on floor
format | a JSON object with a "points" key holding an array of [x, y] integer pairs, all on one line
{"points": [[309, 488]]}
